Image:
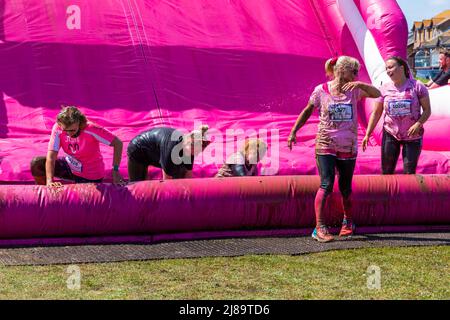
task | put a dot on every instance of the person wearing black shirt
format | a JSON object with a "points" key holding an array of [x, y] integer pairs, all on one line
{"points": [[165, 148], [443, 77]]}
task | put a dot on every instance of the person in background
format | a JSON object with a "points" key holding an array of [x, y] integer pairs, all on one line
{"points": [[443, 77]]}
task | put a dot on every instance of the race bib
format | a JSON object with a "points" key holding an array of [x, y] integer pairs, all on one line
{"points": [[399, 108], [340, 112], [74, 164]]}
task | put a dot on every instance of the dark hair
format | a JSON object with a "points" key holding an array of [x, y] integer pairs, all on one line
{"points": [[402, 63], [70, 115]]}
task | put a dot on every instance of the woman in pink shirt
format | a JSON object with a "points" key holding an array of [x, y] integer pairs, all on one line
{"points": [[402, 101], [83, 162], [336, 140]]}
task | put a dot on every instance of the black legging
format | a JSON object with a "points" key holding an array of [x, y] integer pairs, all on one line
{"points": [[327, 164], [390, 151], [62, 170], [136, 170]]}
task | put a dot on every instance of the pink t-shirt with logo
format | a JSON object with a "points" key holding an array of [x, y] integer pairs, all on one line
{"points": [[402, 107], [83, 152], [338, 126]]}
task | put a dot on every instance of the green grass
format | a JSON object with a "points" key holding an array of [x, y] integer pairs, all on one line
{"points": [[424, 80], [406, 273]]}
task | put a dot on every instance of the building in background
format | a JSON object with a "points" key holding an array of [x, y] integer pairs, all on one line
{"points": [[426, 39]]}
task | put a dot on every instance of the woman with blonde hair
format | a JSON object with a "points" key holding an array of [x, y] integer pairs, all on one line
{"points": [[245, 161], [79, 138], [337, 139]]}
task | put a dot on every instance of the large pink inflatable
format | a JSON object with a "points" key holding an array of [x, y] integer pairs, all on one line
{"points": [[185, 208], [245, 68], [234, 65]]}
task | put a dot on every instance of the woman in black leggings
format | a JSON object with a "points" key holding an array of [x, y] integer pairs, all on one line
{"points": [[402, 101]]}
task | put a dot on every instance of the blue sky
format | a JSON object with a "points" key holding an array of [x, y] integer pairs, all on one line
{"points": [[417, 10]]}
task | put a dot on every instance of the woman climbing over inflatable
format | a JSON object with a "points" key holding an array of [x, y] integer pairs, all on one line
{"points": [[336, 140], [165, 148], [79, 139], [402, 101], [244, 162]]}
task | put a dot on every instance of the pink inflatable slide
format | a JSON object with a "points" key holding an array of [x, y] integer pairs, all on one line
{"points": [[245, 68]]}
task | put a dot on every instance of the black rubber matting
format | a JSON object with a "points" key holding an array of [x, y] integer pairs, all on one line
{"points": [[209, 248]]}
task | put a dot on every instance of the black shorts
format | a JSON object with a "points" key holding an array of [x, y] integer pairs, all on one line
{"points": [[141, 155]]}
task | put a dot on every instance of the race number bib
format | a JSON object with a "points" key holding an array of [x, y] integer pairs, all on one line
{"points": [[74, 164], [399, 108], [340, 112]]}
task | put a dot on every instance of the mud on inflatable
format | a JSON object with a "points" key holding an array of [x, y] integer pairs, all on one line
{"points": [[242, 67]]}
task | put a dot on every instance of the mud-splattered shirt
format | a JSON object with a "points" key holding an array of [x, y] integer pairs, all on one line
{"points": [[402, 107], [338, 126]]}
